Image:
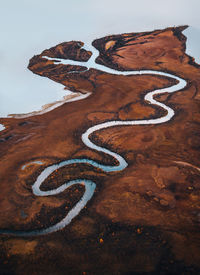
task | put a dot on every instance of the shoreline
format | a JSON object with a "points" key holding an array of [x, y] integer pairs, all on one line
{"points": [[48, 107], [51, 106], [55, 104], [159, 189]]}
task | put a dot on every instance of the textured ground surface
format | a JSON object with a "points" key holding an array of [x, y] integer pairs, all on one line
{"points": [[145, 219]]}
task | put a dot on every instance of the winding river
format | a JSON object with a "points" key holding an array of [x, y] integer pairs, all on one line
{"points": [[122, 164]]}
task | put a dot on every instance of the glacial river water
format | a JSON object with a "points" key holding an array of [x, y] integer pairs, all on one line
{"points": [[122, 164], [24, 93]]}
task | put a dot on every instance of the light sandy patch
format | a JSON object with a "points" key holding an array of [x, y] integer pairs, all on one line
{"points": [[49, 107], [187, 164], [109, 44], [21, 247]]}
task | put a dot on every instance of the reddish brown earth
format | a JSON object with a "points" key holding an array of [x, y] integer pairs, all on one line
{"points": [[145, 219], [68, 50]]}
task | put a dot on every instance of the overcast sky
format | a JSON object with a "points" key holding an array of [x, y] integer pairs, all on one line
{"points": [[29, 26]]}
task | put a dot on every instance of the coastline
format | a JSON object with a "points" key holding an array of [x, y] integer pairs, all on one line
{"points": [[152, 205], [52, 105]]}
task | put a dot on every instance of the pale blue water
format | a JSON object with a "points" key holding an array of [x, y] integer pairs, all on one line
{"points": [[29, 27], [122, 164], [193, 42], [32, 162]]}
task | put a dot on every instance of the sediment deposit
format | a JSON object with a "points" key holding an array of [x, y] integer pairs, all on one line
{"points": [[153, 203]]}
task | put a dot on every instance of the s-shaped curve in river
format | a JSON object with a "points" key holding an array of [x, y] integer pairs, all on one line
{"points": [[122, 164]]}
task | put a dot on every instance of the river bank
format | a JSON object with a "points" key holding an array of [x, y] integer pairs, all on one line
{"points": [[156, 193]]}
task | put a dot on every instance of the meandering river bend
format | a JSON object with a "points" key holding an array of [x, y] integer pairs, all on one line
{"points": [[122, 164]]}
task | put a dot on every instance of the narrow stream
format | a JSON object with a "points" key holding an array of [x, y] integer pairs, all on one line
{"points": [[122, 164]]}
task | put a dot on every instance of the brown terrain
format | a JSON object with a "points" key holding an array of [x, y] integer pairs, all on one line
{"points": [[142, 220]]}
